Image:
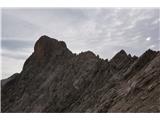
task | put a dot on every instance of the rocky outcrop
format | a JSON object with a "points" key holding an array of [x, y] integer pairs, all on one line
{"points": [[54, 79]]}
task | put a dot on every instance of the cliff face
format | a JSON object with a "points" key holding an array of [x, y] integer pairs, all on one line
{"points": [[54, 79]]}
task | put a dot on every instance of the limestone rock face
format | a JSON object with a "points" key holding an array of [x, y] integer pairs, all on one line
{"points": [[54, 79]]}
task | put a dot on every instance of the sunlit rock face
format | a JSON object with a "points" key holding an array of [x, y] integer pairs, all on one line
{"points": [[54, 79]]}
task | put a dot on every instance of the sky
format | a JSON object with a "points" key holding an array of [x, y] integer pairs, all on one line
{"points": [[105, 31]]}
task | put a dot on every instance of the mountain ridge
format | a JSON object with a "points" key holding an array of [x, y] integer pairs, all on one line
{"points": [[54, 79]]}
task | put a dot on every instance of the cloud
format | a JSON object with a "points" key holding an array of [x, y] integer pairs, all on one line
{"points": [[10, 66], [17, 54], [16, 44], [104, 31]]}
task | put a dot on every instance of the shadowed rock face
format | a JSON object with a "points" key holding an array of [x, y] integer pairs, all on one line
{"points": [[45, 47], [54, 79]]}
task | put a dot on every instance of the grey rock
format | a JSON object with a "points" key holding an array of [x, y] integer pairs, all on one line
{"points": [[54, 79]]}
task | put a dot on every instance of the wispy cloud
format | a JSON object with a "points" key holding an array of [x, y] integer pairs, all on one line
{"points": [[16, 44], [104, 31]]}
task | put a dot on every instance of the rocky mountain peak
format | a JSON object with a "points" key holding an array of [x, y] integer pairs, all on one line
{"points": [[46, 46], [142, 61], [55, 80], [119, 56], [120, 59], [45, 49], [147, 56], [122, 52], [150, 52]]}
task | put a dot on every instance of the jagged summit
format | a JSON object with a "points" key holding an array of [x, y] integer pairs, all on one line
{"points": [[56, 80], [150, 52], [120, 59], [120, 55], [47, 49], [144, 59], [46, 45], [122, 52]]}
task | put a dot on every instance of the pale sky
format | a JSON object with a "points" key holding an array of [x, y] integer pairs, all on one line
{"points": [[103, 31]]}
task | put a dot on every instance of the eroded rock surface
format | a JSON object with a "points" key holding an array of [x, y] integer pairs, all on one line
{"points": [[54, 79]]}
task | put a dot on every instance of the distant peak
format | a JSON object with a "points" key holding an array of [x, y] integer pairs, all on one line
{"points": [[120, 57], [149, 53], [122, 52], [134, 57]]}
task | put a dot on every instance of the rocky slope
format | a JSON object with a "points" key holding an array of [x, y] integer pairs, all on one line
{"points": [[54, 79]]}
